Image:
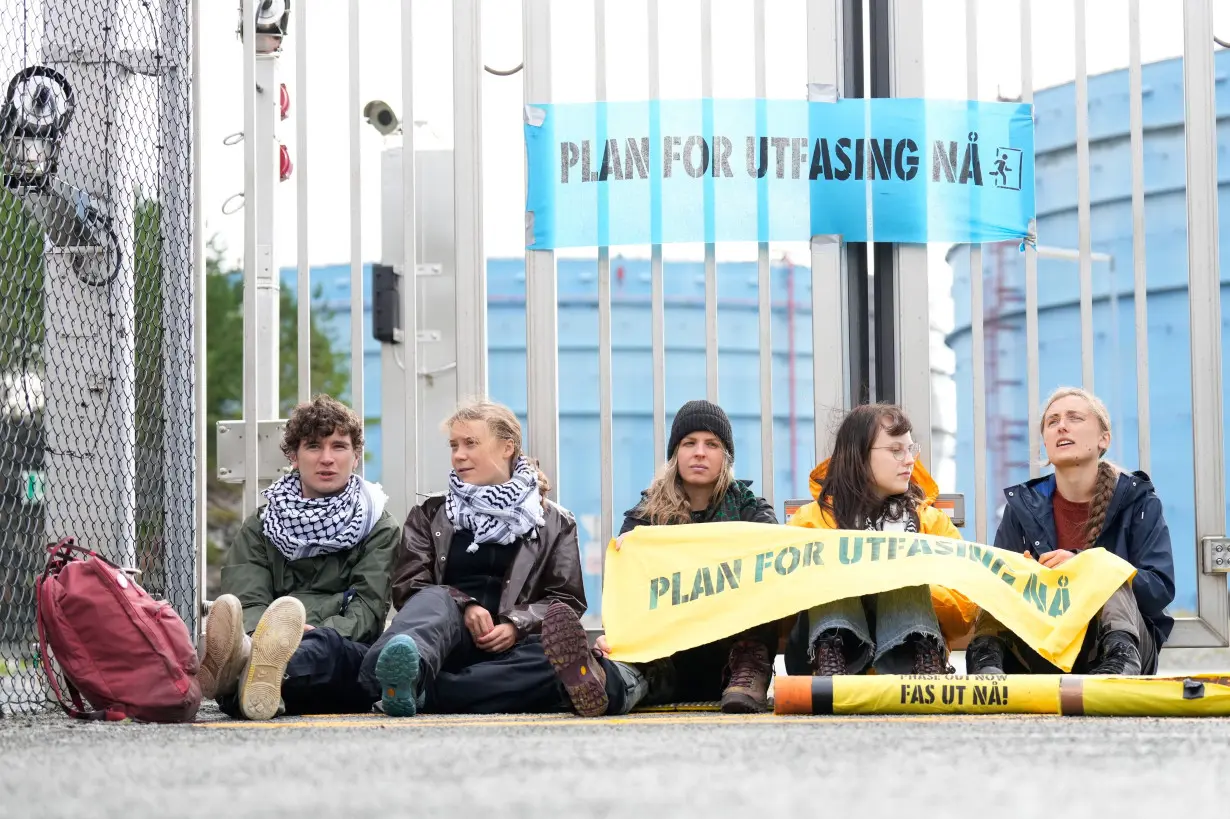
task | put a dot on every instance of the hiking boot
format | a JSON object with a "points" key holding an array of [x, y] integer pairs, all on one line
{"points": [[750, 671], [1117, 654], [276, 638], [929, 657], [567, 648], [225, 645], [830, 658], [985, 655], [397, 671]]}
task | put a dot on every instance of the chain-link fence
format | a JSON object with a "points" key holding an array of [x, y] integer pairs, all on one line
{"points": [[96, 409]]}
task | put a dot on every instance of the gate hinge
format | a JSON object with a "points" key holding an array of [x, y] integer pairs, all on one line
{"points": [[1215, 555]]}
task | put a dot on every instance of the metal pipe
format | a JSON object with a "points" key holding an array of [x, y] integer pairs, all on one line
{"points": [[1033, 376], [711, 291], [301, 204], [977, 320], [764, 277], [355, 105], [1140, 289], [606, 431], [541, 295], [200, 479], [658, 310], [1083, 198], [470, 261], [251, 374], [409, 279]]}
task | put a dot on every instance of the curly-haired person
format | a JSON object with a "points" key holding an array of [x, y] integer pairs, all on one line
{"points": [[306, 583]]}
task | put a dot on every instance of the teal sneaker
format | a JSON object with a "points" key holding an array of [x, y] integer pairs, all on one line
{"points": [[397, 671]]}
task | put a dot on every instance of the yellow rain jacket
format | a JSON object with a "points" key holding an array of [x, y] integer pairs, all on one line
{"points": [[954, 610]]}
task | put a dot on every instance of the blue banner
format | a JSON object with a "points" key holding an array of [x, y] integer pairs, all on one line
{"points": [[621, 173]]}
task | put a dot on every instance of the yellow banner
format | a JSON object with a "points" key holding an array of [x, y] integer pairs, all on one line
{"points": [[675, 587]]}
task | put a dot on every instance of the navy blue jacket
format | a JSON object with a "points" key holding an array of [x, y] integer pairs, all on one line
{"points": [[1134, 530]]}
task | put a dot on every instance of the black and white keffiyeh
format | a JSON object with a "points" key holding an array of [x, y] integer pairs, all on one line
{"points": [[300, 527], [496, 514], [907, 523]]}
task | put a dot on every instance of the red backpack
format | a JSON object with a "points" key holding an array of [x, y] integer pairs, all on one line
{"points": [[129, 655]]}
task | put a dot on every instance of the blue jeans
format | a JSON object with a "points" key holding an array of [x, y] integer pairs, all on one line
{"points": [[880, 624]]}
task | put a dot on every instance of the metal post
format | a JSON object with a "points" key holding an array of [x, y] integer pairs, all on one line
{"points": [[1083, 204], [606, 429], [200, 479], [1139, 262], [658, 296], [830, 342], [711, 286], [251, 262], [179, 251], [268, 286], [302, 226], [409, 259], [90, 320], [764, 289], [1204, 298], [977, 323], [1031, 268], [468, 196], [541, 305], [357, 336]]}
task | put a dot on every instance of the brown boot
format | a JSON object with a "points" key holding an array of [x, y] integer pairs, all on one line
{"points": [[929, 657], [750, 671], [830, 658], [564, 642]]}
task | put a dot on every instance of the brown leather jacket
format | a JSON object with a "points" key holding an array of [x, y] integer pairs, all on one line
{"points": [[547, 566]]}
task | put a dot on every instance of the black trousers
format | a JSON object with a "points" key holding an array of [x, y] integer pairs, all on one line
{"points": [[457, 676], [322, 677]]}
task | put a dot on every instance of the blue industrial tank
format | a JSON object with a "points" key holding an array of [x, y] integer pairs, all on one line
{"points": [[1170, 375]]}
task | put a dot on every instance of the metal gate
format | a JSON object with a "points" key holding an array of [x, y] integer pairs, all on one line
{"points": [[970, 356]]}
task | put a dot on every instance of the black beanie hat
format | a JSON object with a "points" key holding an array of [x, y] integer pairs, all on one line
{"points": [[695, 416]]}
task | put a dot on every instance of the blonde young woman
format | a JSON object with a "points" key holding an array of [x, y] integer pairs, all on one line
{"points": [[473, 579], [696, 486], [1088, 502]]}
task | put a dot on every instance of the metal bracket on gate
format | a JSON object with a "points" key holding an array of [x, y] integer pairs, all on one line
{"points": [[231, 451], [1215, 555]]}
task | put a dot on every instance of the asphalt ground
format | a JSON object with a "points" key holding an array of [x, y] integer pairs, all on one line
{"points": [[640, 765], [671, 764]]}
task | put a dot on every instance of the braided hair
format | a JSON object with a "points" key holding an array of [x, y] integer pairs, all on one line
{"points": [[1108, 473]]}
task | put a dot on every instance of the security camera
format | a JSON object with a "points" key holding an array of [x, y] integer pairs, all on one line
{"points": [[381, 117]]}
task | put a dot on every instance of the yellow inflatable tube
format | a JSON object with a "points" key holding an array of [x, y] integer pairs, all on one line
{"points": [[1065, 694]]}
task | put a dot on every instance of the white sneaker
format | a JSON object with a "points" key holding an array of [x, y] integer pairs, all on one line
{"points": [[224, 644], [276, 638]]}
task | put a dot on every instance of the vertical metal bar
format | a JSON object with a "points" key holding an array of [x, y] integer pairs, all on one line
{"points": [[200, 478], [1139, 263], [976, 316], [764, 288], [356, 223], [907, 273], [711, 290], [606, 431], [251, 375], [304, 288], [658, 296], [1031, 268], [409, 278], [541, 303], [1083, 199], [471, 263], [1204, 298], [830, 345]]}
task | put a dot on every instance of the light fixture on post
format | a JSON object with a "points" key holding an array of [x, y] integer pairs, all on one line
{"points": [[37, 110], [272, 24]]}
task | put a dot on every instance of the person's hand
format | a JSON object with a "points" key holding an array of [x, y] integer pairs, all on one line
{"points": [[478, 622], [307, 628], [619, 542], [601, 646], [1056, 558], [499, 639]]}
